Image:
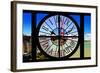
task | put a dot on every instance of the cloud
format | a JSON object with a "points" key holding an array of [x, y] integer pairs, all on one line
{"points": [[87, 36]]}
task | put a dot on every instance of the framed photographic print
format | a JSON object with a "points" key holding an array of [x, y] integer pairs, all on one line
{"points": [[52, 36]]}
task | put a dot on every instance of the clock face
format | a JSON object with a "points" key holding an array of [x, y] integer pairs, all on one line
{"points": [[58, 36]]}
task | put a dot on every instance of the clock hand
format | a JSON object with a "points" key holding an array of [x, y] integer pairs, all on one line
{"points": [[62, 26], [53, 33]]}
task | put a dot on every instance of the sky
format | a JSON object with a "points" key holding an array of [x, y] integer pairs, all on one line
{"points": [[27, 17], [87, 27], [27, 23]]}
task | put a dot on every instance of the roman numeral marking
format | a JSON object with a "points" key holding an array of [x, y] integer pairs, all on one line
{"points": [[68, 49], [45, 28]]}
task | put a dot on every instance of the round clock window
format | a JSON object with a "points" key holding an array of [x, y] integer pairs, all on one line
{"points": [[58, 36]]}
